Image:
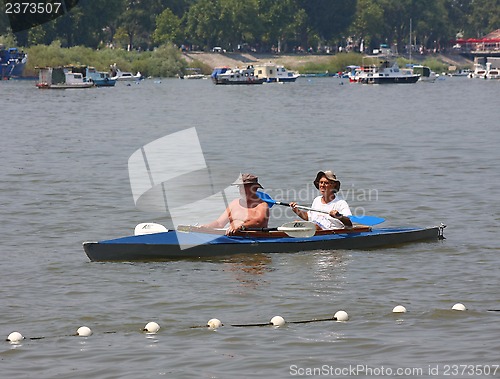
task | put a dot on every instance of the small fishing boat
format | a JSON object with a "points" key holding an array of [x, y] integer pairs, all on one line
{"points": [[192, 242], [99, 78]]}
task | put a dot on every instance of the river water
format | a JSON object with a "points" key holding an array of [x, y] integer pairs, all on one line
{"points": [[417, 155]]}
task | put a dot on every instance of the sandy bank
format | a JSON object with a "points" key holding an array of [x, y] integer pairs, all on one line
{"points": [[293, 60], [245, 59]]}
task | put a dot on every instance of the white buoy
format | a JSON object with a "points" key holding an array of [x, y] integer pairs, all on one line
{"points": [[84, 331], [15, 337], [214, 323], [278, 321], [399, 309], [151, 327], [459, 307], [341, 316]]}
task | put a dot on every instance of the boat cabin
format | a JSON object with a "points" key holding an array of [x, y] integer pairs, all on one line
{"points": [[266, 71], [271, 72]]}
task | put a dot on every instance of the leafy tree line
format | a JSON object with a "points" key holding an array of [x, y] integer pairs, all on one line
{"points": [[263, 25]]}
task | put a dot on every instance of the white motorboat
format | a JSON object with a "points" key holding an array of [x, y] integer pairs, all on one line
{"points": [[479, 71], [117, 74], [426, 74], [384, 74]]}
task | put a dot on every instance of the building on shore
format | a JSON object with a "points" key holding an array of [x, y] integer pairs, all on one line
{"points": [[488, 46]]}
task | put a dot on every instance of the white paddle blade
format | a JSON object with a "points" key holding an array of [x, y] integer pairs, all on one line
{"points": [[149, 228], [300, 229]]}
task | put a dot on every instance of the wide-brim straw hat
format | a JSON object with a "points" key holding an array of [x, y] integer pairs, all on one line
{"points": [[328, 174], [247, 179]]}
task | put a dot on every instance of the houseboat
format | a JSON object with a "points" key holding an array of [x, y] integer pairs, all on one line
{"points": [[274, 73], [60, 78]]}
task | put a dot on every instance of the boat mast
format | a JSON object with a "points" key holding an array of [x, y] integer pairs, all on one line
{"points": [[410, 41]]}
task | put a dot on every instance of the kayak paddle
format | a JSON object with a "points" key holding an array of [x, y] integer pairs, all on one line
{"points": [[365, 220], [296, 229]]}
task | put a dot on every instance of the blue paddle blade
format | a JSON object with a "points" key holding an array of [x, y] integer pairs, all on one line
{"points": [[367, 220], [265, 197]]}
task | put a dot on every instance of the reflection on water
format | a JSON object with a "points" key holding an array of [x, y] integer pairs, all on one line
{"points": [[328, 263], [249, 270]]}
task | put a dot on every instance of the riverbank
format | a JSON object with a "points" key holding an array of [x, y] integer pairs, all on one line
{"points": [[240, 59], [166, 61], [301, 61]]}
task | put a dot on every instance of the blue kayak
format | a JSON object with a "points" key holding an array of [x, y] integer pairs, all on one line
{"points": [[202, 243]]}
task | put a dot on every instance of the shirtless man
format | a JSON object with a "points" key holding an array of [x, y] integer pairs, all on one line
{"points": [[249, 211]]}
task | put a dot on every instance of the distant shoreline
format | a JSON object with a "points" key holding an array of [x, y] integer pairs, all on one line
{"points": [[295, 60]]}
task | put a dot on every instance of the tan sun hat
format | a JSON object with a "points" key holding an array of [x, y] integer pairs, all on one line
{"points": [[244, 179], [328, 174]]}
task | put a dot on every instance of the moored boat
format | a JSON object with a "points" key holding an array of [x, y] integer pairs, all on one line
{"points": [[226, 75], [384, 74], [119, 75], [426, 74], [99, 78], [461, 72], [487, 72], [492, 72], [274, 73], [12, 62], [479, 71], [193, 73], [196, 242], [60, 78]]}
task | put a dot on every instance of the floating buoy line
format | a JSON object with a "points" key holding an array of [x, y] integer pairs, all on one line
{"points": [[153, 327]]}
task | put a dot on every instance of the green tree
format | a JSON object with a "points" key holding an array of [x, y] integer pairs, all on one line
{"points": [[136, 22], [239, 21], [432, 27], [8, 39], [458, 11], [368, 23], [168, 28], [396, 28], [284, 22], [4, 20], [330, 19], [484, 18], [202, 23]]}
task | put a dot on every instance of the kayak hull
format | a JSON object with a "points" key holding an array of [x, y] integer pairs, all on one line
{"points": [[192, 245]]}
